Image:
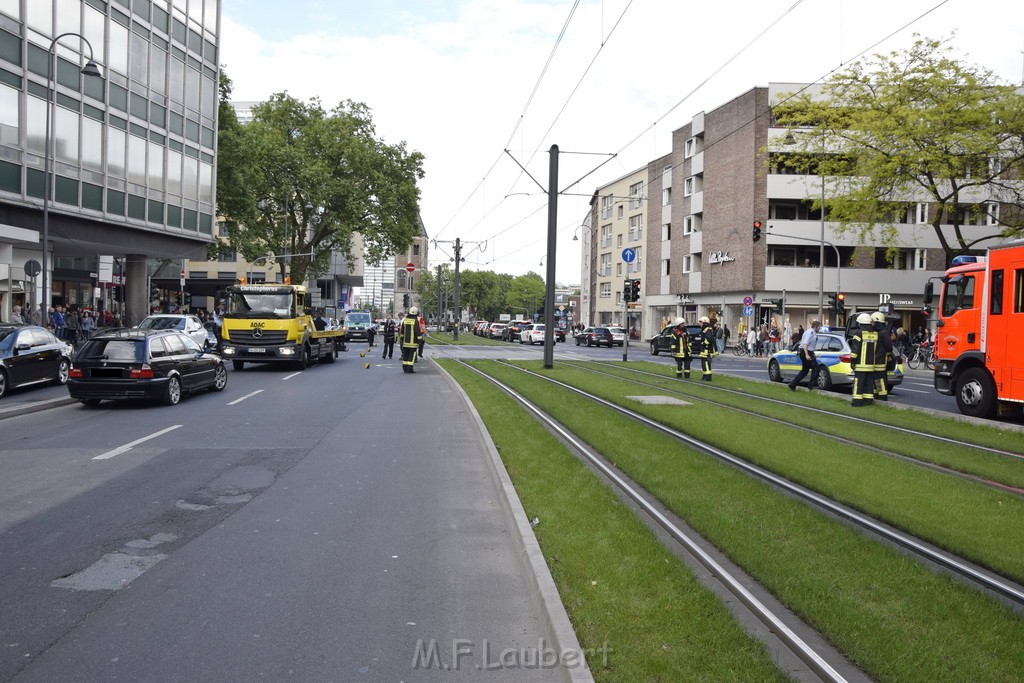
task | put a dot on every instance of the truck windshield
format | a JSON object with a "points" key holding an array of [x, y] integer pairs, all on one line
{"points": [[259, 305], [959, 294]]}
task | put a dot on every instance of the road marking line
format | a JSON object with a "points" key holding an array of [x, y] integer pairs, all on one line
{"points": [[287, 377], [239, 400], [916, 391], [128, 446]]}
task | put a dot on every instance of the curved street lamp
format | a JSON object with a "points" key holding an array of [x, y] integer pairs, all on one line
{"points": [[90, 69]]}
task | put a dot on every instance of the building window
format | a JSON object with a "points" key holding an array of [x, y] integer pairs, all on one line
{"points": [[688, 263], [636, 191], [605, 291], [637, 265], [618, 240], [666, 267], [921, 213], [666, 196], [688, 225], [618, 269], [690, 148], [991, 214], [606, 235], [606, 206], [921, 259], [605, 268], [227, 255], [621, 210], [688, 185], [636, 228], [666, 232], [415, 250]]}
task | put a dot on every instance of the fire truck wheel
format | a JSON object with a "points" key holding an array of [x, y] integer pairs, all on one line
{"points": [[976, 393]]}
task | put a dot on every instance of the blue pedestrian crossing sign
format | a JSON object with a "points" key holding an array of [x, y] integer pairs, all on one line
{"points": [[629, 255]]}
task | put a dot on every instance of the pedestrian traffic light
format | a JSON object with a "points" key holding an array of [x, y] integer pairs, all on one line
{"points": [[757, 230], [777, 305], [634, 290], [627, 290]]}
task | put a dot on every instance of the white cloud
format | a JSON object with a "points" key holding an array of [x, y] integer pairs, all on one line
{"points": [[454, 89]]}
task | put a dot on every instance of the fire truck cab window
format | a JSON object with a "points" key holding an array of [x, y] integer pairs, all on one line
{"points": [[959, 294]]}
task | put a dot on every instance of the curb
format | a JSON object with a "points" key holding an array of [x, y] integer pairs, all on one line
{"points": [[35, 406], [544, 591]]}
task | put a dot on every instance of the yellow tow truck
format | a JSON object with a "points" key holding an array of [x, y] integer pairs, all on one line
{"points": [[273, 323]]}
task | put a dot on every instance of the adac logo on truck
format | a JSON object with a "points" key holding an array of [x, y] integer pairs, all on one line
{"points": [[259, 323]]}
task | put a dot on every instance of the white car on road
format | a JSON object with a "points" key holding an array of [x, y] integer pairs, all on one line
{"points": [[532, 334]]}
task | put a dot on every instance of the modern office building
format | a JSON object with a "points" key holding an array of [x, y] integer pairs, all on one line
{"points": [[133, 152]]}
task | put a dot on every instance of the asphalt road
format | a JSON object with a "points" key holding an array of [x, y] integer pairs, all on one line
{"points": [[335, 524]]}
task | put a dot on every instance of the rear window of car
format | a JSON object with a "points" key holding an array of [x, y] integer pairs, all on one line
{"points": [[114, 349], [162, 323]]}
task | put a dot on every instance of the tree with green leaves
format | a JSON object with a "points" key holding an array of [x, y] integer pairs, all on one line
{"points": [[908, 127], [300, 181], [526, 294]]}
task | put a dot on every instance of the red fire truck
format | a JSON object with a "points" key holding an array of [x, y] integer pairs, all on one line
{"points": [[979, 336]]}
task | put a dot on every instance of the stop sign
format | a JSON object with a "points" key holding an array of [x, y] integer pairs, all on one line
{"points": [[410, 267]]}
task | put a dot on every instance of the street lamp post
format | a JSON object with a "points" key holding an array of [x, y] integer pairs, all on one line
{"points": [[90, 69], [789, 140]]}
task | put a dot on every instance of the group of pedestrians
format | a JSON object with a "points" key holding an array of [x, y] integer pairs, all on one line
{"points": [[413, 330], [703, 345], [69, 324]]}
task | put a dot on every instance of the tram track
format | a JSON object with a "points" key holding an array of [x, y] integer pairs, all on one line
{"points": [[781, 626], [952, 471]]}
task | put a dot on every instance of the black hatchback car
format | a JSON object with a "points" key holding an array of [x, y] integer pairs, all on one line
{"points": [[159, 365], [31, 355]]}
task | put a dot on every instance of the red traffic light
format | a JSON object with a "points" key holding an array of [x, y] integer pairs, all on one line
{"points": [[757, 230]]}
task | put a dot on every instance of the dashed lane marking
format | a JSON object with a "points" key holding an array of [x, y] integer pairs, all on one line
{"points": [[128, 446]]}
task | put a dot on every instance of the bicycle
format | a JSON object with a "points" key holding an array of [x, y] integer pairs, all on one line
{"points": [[921, 354], [740, 349]]}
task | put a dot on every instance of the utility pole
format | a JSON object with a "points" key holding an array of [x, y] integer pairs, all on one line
{"points": [[458, 305], [549, 290], [439, 309]]}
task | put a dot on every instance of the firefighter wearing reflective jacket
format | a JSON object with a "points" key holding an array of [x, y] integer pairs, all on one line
{"points": [[681, 349], [410, 340], [706, 347], [883, 352], [863, 345]]}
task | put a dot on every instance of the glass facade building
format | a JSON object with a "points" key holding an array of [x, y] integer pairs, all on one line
{"points": [[133, 152]]}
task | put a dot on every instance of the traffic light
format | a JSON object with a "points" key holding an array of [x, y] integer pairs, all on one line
{"points": [[840, 302], [627, 290], [757, 230], [634, 290], [405, 300], [777, 305], [154, 293], [832, 303]]}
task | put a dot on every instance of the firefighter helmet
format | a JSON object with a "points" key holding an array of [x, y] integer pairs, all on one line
{"points": [[704, 320], [878, 317], [864, 319], [678, 321], [414, 311]]}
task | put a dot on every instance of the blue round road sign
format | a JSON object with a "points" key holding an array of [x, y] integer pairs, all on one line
{"points": [[748, 311], [629, 255]]}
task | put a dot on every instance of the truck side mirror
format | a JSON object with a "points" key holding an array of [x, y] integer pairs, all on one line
{"points": [[929, 292]]}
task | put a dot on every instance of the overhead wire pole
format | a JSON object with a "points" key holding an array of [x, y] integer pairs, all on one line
{"points": [[549, 290]]}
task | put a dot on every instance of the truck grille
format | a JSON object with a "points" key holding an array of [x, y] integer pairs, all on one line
{"points": [[270, 337]]}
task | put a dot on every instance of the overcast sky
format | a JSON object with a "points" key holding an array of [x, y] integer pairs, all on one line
{"points": [[463, 80]]}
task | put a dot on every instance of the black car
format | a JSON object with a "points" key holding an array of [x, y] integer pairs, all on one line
{"points": [[663, 340], [159, 365], [595, 336], [31, 355]]}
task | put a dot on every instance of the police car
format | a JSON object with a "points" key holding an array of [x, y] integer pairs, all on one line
{"points": [[832, 351]]}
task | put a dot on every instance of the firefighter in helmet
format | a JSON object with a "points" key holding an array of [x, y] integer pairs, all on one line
{"points": [[883, 352], [410, 340], [706, 348], [863, 345], [681, 348]]}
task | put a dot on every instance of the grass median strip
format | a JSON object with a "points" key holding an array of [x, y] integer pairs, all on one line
{"points": [[955, 455], [887, 612], [622, 589]]}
